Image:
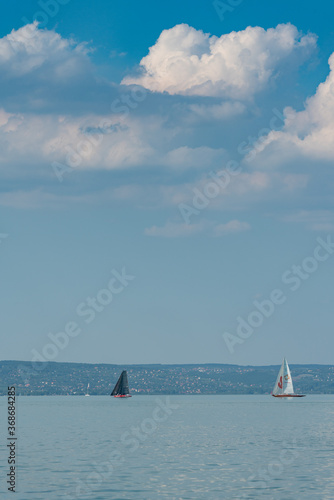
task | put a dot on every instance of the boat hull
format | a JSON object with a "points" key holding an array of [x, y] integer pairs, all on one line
{"points": [[288, 395], [121, 396]]}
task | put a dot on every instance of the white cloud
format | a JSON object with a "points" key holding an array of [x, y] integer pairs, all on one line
{"points": [[4, 117], [186, 157], [307, 134], [220, 111], [97, 143], [41, 71], [29, 49], [164, 132], [176, 229], [316, 220], [234, 226], [48, 138], [236, 65]]}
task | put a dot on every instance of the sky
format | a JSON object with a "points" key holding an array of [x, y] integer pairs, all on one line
{"points": [[166, 180]]}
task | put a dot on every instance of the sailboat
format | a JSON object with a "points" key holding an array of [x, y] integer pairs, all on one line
{"points": [[284, 387], [121, 389], [87, 393]]}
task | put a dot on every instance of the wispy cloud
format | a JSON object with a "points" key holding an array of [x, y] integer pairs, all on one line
{"points": [[177, 230], [316, 220], [233, 226]]}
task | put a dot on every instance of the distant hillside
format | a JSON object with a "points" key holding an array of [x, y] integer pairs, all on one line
{"points": [[72, 378]]}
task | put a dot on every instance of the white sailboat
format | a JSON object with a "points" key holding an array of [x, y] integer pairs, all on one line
{"points": [[284, 387], [87, 393]]}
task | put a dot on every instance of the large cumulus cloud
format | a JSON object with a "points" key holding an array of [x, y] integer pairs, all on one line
{"points": [[236, 65], [308, 134], [30, 49], [42, 71], [52, 103]]}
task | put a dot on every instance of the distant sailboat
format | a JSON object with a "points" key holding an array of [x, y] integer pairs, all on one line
{"points": [[121, 389], [284, 387], [87, 393]]}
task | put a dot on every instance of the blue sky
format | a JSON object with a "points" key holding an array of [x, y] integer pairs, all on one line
{"points": [[113, 123]]}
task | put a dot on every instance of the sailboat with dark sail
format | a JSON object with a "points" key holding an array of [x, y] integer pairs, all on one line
{"points": [[284, 387], [121, 389]]}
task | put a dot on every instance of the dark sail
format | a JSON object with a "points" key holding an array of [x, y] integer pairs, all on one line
{"points": [[122, 385]]}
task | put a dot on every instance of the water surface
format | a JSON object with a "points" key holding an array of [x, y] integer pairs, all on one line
{"points": [[208, 447]]}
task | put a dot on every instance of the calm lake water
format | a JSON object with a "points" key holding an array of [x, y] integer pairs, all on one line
{"points": [[192, 447]]}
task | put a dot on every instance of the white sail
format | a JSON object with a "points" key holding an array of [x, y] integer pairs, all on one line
{"points": [[284, 381], [287, 380], [279, 381]]}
